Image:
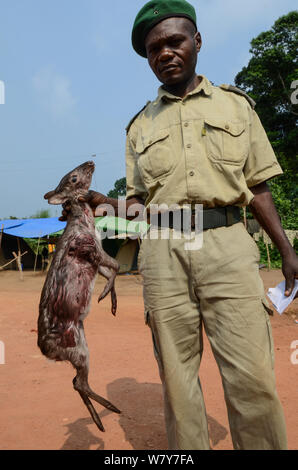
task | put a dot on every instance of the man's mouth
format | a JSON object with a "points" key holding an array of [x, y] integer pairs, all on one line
{"points": [[168, 68]]}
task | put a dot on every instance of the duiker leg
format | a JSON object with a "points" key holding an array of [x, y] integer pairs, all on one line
{"points": [[113, 267], [80, 360], [108, 274]]}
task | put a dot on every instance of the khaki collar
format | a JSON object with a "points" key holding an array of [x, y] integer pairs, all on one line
{"points": [[204, 86]]}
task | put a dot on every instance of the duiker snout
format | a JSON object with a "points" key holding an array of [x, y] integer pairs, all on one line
{"points": [[90, 165], [73, 184]]}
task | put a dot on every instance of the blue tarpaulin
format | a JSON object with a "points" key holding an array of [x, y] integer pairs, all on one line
{"points": [[32, 228], [10, 223]]}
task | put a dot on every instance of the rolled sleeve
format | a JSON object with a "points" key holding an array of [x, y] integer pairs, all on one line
{"points": [[261, 164], [134, 184]]}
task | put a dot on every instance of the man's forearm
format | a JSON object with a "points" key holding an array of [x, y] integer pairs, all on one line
{"points": [[125, 205], [264, 210]]}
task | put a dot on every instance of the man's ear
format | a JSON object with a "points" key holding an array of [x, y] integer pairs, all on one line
{"points": [[198, 41], [55, 198]]}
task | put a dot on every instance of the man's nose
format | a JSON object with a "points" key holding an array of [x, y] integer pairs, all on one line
{"points": [[166, 54]]}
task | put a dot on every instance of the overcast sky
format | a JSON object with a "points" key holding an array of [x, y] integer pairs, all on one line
{"points": [[73, 82]]}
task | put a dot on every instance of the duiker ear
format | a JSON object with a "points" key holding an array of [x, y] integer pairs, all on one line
{"points": [[55, 198]]}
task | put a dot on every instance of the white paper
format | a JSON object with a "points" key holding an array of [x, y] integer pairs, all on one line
{"points": [[278, 298]]}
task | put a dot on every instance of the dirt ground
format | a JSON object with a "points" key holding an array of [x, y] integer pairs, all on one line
{"points": [[40, 410]]}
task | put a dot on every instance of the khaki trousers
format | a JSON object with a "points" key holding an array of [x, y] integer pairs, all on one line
{"points": [[217, 286]]}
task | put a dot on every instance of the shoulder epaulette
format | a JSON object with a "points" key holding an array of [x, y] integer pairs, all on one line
{"points": [[238, 91], [135, 117]]}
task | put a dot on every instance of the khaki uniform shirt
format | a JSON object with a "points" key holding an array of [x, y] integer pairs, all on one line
{"points": [[208, 148]]}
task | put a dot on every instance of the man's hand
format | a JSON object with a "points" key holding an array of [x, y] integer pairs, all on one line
{"points": [[101, 205], [263, 209], [94, 200], [290, 271]]}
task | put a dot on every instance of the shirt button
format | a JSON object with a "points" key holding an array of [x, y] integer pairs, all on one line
{"points": [[227, 127], [186, 124], [191, 173], [188, 146]]}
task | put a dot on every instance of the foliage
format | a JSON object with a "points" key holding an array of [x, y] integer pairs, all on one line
{"points": [[267, 79], [33, 244], [42, 214], [287, 208], [119, 189], [274, 254], [275, 257]]}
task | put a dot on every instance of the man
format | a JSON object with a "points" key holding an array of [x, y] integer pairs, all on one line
{"points": [[200, 144]]}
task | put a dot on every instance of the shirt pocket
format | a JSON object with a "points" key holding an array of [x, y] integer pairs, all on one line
{"points": [[227, 141], [155, 155]]}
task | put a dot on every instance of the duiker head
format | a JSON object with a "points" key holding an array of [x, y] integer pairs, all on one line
{"points": [[73, 185]]}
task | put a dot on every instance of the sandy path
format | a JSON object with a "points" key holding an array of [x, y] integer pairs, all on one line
{"points": [[40, 410]]}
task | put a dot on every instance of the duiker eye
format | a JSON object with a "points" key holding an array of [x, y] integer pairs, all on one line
{"points": [[74, 179]]}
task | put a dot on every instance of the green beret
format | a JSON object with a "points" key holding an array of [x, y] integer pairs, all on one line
{"points": [[154, 12]]}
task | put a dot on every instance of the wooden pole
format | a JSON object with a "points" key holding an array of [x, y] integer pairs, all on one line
{"points": [[13, 260], [36, 254], [19, 260], [19, 247], [19, 264], [1, 233]]}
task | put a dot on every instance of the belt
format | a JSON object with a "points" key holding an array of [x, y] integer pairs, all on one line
{"points": [[212, 218]]}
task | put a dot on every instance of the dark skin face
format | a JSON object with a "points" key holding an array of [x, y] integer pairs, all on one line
{"points": [[172, 48]]}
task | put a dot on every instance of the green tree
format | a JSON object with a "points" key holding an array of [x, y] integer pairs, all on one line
{"points": [[119, 189], [267, 79], [42, 214]]}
